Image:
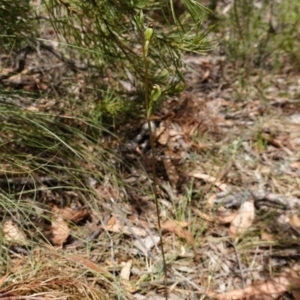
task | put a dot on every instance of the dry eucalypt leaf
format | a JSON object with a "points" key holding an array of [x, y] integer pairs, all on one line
{"points": [[115, 225], [60, 230], [295, 223], [179, 229], [243, 220], [125, 272], [70, 214], [261, 290], [89, 265], [209, 179]]}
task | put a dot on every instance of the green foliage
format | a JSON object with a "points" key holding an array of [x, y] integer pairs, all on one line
{"points": [[104, 37], [16, 22], [258, 34], [261, 141], [111, 106], [106, 33]]}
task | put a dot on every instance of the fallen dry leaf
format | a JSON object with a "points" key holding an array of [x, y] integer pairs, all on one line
{"points": [[127, 230], [171, 225], [70, 214], [295, 291], [211, 201], [60, 230], [12, 233], [205, 75], [142, 223], [162, 135], [5, 71], [125, 272], [226, 217], [16, 79], [147, 243], [243, 219], [210, 179], [261, 290], [221, 217], [267, 237], [296, 294], [178, 229], [202, 215], [295, 165], [295, 222], [111, 221], [114, 225], [89, 264]]}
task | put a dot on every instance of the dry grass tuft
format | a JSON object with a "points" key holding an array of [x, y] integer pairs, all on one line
{"points": [[55, 275]]}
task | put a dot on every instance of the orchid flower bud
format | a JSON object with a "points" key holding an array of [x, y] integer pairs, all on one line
{"points": [[148, 35], [155, 94], [149, 32]]}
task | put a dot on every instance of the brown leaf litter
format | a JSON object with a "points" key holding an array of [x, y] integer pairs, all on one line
{"points": [[207, 142], [70, 214], [178, 229], [261, 290], [59, 230]]}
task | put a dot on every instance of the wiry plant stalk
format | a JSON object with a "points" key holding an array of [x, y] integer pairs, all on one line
{"points": [[155, 94]]}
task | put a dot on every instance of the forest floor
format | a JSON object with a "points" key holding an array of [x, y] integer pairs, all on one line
{"points": [[228, 168]]}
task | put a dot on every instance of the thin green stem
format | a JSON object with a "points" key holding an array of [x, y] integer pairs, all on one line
{"points": [[146, 85]]}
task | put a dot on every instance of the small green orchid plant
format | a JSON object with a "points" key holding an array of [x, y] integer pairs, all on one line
{"points": [[149, 104]]}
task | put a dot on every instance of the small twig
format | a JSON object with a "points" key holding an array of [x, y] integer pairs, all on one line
{"points": [[240, 264], [30, 180]]}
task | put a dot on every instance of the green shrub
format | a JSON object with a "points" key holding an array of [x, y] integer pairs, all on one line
{"points": [[16, 23], [262, 33]]}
